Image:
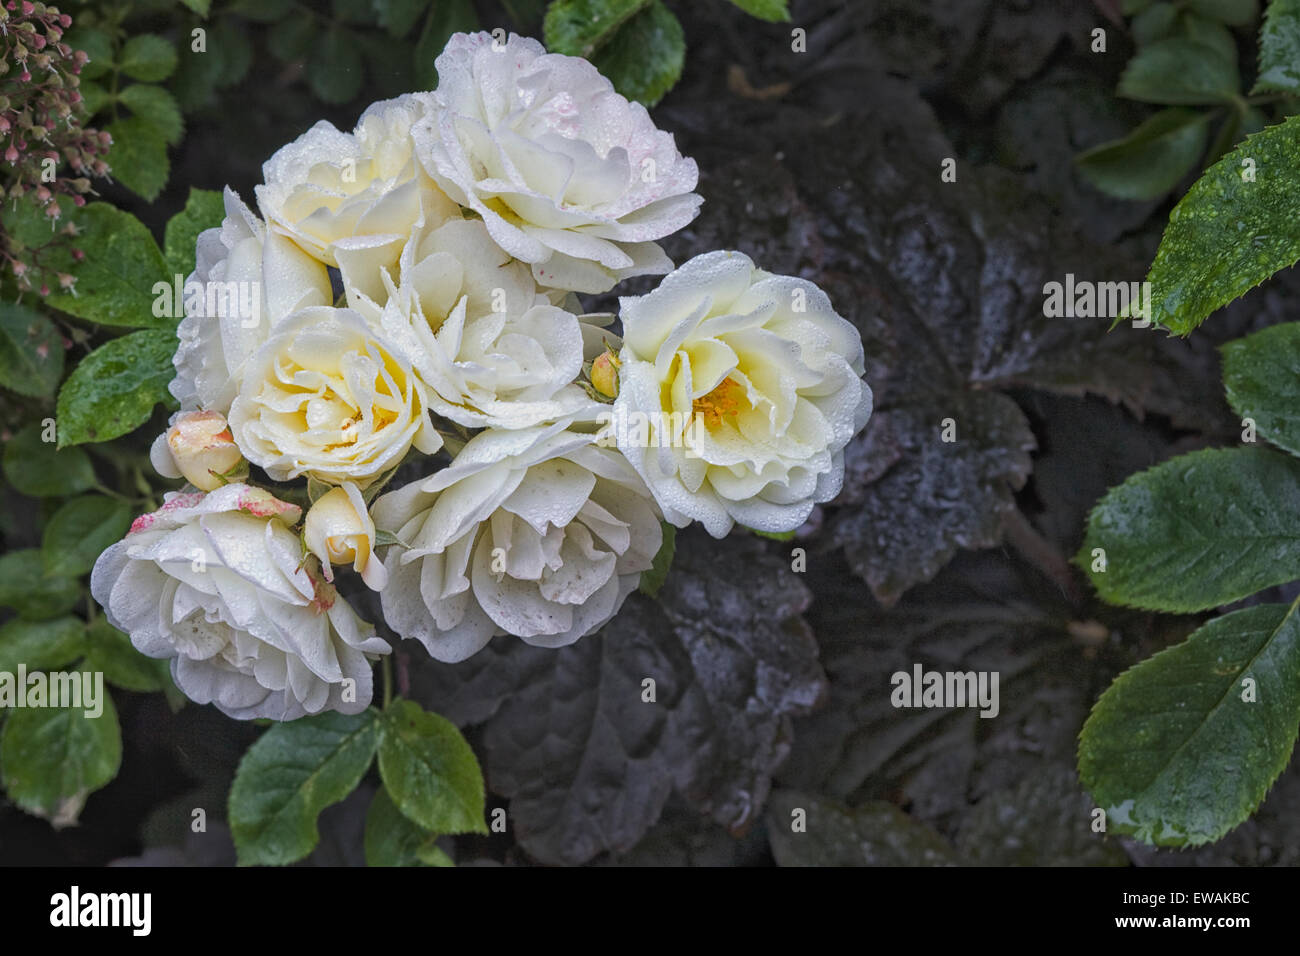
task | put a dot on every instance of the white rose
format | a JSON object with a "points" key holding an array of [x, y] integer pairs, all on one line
{"points": [[492, 350], [350, 199], [245, 280], [338, 529], [536, 533], [567, 174], [215, 582], [738, 392], [197, 446], [326, 397]]}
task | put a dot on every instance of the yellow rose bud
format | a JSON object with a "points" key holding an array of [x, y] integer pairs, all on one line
{"points": [[338, 529], [202, 448], [604, 374]]}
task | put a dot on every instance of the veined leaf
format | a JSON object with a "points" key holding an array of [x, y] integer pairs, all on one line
{"points": [[1202, 530], [1184, 746], [1237, 225]]}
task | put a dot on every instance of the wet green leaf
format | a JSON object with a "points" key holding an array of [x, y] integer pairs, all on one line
{"points": [[293, 772], [1237, 225], [1184, 746], [1201, 530], [1261, 375], [430, 771], [116, 387], [1152, 159]]}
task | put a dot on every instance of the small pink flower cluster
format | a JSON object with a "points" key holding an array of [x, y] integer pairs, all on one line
{"points": [[41, 112]]}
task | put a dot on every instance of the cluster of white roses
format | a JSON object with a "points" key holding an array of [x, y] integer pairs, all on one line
{"points": [[413, 288]]}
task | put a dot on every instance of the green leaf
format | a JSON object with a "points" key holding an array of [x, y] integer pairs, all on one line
{"points": [[115, 388], [399, 16], [1154, 23], [1179, 72], [334, 67], [644, 59], [1151, 160], [293, 772], [97, 44], [1184, 746], [93, 96], [116, 279], [1211, 33], [204, 209], [1279, 48], [80, 531], [394, 840], [53, 758], [1229, 131], [138, 158], [263, 11], [201, 7], [430, 855], [40, 645], [157, 108], [31, 351], [110, 651], [774, 11], [446, 17], [37, 468], [1261, 376], [1198, 531], [1236, 13], [1237, 225], [581, 27], [292, 37], [430, 770], [653, 580], [148, 57], [25, 587]]}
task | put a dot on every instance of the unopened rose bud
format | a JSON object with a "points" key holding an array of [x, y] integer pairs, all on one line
{"points": [[604, 374], [338, 529], [199, 447]]}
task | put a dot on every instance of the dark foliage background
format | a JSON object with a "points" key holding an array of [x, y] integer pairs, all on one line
{"points": [[773, 686]]}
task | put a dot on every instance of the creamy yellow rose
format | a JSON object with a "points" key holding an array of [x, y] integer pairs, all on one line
{"points": [[738, 390], [326, 397], [350, 199]]}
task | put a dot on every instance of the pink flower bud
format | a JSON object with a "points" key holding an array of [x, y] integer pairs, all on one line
{"points": [[201, 448]]}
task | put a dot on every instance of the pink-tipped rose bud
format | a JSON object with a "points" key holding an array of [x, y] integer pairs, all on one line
{"points": [[199, 447]]}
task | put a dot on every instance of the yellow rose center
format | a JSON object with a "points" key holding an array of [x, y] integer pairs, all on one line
{"points": [[723, 402]]}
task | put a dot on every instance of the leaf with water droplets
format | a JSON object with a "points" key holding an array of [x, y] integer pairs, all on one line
{"points": [[1261, 375], [1184, 746], [1199, 531], [1279, 48], [1237, 225]]}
